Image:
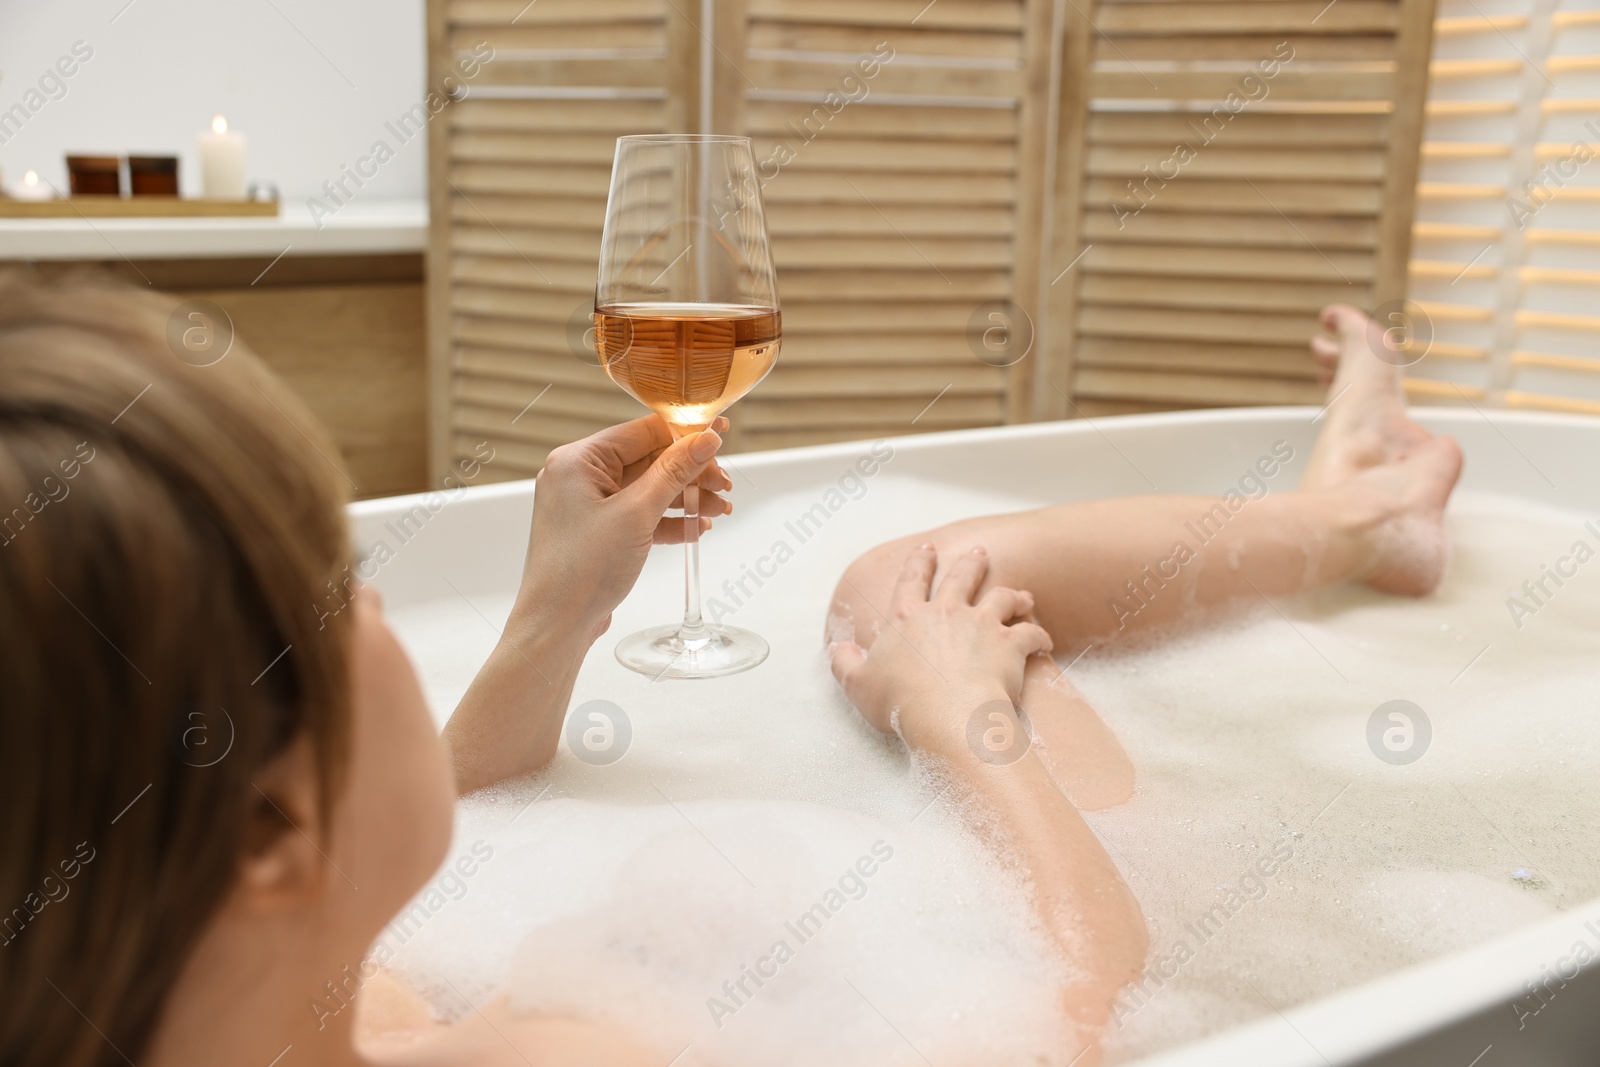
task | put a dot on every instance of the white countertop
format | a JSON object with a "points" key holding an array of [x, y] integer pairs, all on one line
{"points": [[360, 227]]}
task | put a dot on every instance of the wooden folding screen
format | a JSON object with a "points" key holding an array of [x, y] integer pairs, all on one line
{"points": [[941, 187]]}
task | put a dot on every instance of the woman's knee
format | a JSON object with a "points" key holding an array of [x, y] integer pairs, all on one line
{"points": [[862, 595]]}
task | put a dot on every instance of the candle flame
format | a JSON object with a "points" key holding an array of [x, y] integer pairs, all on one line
{"points": [[219, 125], [31, 178]]}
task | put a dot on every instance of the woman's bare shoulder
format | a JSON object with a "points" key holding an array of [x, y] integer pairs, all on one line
{"points": [[396, 1029]]}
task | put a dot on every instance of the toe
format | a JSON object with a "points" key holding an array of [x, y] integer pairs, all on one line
{"points": [[1343, 319], [1325, 350]]}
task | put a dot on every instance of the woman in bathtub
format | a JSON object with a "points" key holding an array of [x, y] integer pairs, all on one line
{"points": [[217, 793]]}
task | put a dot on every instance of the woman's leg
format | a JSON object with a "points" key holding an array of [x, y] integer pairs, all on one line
{"points": [[1369, 509]]}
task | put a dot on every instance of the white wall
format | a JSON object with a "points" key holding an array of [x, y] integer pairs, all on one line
{"points": [[162, 68]]}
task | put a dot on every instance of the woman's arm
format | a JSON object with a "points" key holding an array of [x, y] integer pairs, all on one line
{"points": [[1086, 907], [597, 510], [940, 669]]}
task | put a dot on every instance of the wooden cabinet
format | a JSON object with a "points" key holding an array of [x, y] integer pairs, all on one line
{"points": [[345, 332]]}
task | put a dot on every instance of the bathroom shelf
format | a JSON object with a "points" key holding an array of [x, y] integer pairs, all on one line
{"points": [[118, 207], [363, 227]]}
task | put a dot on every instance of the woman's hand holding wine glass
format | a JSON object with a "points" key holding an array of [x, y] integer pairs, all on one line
{"points": [[599, 506], [687, 321]]}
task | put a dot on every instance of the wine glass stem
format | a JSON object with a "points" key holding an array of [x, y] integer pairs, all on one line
{"points": [[694, 627]]}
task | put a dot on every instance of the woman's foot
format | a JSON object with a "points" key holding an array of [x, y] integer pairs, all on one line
{"points": [[1365, 422], [1408, 541], [1385, 468]]}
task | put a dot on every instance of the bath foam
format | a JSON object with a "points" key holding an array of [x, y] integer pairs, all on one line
{"points": [[738, 929], [1254, 735], [610, 903], [620, 894]]}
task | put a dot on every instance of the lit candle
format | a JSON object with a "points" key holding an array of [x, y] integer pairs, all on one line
{"points": [[222, 175], [31, 188]]}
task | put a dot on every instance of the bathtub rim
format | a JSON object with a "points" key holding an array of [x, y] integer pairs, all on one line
{"points": [[1438, 419], [1442, 991]]}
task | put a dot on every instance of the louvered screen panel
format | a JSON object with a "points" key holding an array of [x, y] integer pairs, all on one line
{"points": [[1508, 219], [893, 225], [1209, 234], [900, 212], [519, 180]]}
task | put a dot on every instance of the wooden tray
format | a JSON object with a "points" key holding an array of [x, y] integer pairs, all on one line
{"points": [[119, 207]]}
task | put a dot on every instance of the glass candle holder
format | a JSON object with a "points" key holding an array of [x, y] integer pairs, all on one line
{"points": [[94, 175], [153, 175]]}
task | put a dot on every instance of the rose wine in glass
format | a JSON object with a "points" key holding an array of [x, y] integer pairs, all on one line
{"points": [[687, 321]]}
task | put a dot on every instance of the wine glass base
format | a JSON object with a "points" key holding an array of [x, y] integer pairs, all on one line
{"points": [[661, 652]]}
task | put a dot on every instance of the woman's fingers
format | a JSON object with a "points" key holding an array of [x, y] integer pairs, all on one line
{"points": [[846, 658], [635, 446], [714, 478], [627, 443], [710, 503], [670, 531], [1004, 604], [678, 466], [1029, 638], [963, 577], [631, 472], [916, 577], [849, 664]]}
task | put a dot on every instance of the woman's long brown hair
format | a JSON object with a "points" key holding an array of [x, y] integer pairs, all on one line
{"points": [[166, 532]]}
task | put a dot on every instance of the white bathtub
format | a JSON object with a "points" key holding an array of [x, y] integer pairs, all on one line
{"points": [[1450, 1011]]}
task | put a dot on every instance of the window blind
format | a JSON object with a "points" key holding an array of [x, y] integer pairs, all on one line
{"points": [[1505, 280]]}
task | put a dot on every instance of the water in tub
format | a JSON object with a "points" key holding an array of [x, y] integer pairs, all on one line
{"points": [[761, 878]]}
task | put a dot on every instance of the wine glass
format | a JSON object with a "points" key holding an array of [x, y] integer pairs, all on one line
{"points": [[686, 321]]}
